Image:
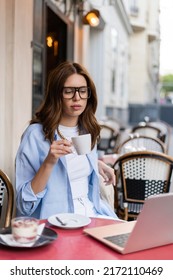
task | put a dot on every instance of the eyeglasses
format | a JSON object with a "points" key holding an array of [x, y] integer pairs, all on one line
{"points": [[69, 92]]}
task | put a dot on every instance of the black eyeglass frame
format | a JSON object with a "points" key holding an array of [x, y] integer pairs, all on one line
{"points": [[77, 89]]}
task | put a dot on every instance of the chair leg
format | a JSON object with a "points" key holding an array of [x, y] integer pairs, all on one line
{"points": [[123, 214], [115, 198], [126, 213]]}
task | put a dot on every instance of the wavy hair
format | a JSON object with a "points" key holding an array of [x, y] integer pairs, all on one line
{"points": [[50, 111]]}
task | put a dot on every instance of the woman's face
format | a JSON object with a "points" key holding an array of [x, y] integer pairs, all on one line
{"points": [[74, 107]]}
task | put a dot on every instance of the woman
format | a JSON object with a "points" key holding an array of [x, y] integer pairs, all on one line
{"points": [[50, 177]]}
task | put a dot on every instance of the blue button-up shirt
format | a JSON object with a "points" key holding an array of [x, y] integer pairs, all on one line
{"points": [[57, 195]]}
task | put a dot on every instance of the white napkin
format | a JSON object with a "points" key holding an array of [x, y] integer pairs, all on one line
{"points": [[9, 240]]}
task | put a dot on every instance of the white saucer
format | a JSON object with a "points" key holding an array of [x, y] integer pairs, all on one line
{"points": [[72, 220]]}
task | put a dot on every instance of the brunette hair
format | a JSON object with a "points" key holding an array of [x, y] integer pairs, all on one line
{"points": [[50, 111]]}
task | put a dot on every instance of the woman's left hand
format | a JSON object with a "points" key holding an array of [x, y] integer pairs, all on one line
{"points": [[106, 172]]}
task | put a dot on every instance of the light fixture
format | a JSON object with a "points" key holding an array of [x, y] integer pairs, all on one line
{"points": [[52, 43], [92, 18], [49, 40]]}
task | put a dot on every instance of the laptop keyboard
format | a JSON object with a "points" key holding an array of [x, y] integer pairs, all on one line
{"points": [[119, 240]]}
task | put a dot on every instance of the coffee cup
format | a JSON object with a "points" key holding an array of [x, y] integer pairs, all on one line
{"points": [[82, 144]]}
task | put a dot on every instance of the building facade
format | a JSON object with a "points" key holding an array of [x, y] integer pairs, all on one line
{"points": [[37, 34], [144, 57]]}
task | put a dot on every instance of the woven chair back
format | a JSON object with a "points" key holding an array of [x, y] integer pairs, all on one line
{"points": [[142, 174], [6, 200], [148, 130], [137, 143], [107, 140]]}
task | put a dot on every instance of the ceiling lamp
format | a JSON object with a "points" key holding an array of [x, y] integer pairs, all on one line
{"points": [[92, 18]]}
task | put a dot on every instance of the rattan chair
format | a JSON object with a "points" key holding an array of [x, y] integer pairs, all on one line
{"points": [[6, 200], [139, 175], [166, 130], [107, 140], [148, 130], [164, 127], [138, 142]]}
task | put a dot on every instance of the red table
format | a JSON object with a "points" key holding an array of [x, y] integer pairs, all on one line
{"points": [[110, 158], [73, 244]]}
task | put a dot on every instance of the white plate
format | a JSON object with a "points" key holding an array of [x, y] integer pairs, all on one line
{"points": [[71, 220]]}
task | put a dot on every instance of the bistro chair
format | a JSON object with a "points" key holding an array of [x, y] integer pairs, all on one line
{"points": [[166, 130], [108, 136], [137, 142], [6, 200], [147, 130], [139, 175]]}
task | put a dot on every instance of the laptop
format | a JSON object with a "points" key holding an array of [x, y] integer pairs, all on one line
{"points": [[153, 227]]}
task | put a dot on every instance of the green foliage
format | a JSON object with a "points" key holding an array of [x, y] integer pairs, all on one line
{"points": [[166, 83]]}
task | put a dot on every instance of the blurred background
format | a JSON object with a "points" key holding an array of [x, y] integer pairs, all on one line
{"points": [[126, 46]]}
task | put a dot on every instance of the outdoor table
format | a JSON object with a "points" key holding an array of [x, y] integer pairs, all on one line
{"points": [[74, 244], [109, 158]]}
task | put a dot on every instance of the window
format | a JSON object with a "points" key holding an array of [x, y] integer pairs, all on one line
{"points": [[37, 76], [38, 56], [134, 8], [113, 59]]}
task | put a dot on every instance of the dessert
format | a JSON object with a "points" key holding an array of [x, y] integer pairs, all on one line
{"points": [[24, 229]]}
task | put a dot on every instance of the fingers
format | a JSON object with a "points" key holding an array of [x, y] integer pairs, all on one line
{"points": [[58, 149], [108, 176], [109, 181], [61, 147], [107, 173], [106, 179], [62, 142]]}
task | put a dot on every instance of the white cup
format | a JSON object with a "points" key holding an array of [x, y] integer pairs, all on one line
{"points": [[82, 144]]}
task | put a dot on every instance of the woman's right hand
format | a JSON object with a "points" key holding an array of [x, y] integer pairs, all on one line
{"points": [[58, 149]]}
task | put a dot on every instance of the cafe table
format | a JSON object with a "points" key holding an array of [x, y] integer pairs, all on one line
{"points": [[74, 244], [109, 158]]}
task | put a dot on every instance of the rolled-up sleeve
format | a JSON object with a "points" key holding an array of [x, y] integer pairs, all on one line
{"points": [[26, 201], [28, 161]]}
